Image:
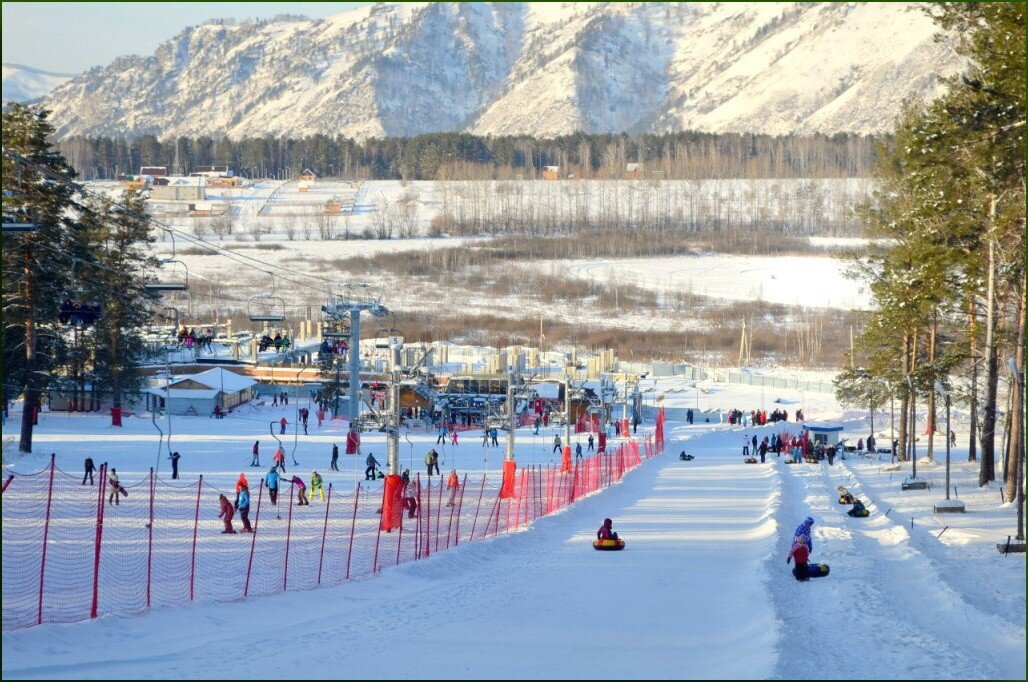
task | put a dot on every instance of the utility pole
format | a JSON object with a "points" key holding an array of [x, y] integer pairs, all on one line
{"points": [[567, 407], [511, 417]]}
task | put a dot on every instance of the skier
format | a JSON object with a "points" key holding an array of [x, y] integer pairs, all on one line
{"points": [[335, 457], [556, 443], [256, 461], [272, 480], [578, 451], [803, 531], [317, 486], [89, 471], [606, 531], [801, 553], [441, 438], [282, 425], [301, 491], [493, 434], [453, 438], [174, 457], [432, 461], [745, 446], [372, 464], [453, 485], [244, 509], [410, 500], [590, 442], [241, 483], [485, 437], [280, 459], [115, 487], [226, 514]]}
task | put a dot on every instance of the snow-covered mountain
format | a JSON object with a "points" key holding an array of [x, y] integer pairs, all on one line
{"points": [[23, 83], [537, 68]]}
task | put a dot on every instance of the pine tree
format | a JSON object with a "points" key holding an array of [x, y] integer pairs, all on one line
{"points": [[35, 265]]}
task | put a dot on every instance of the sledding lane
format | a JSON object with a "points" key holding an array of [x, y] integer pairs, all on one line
{"points": [[869, 614]]}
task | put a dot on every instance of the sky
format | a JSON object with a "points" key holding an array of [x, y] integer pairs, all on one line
{"points": [[73, 37]]}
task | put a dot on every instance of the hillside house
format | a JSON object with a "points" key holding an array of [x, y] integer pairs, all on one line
{"points": [[308, 176], [334, 206], [179, 189], [201, 209], [197, 394]]}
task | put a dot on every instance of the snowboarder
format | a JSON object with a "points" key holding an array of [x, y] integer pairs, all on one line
{"points": [[272, 485], [280, 459], [335, 457], [801, 553], [606, 531], [114, 486], [493, 434], [226, 514], [745, 446], [556, 443], [317, 486], [174, 457], [244, 509], [432, 461], [256, 460], [591, 440], [578, 451], [90, 468], [372, 464], [453, 485]]}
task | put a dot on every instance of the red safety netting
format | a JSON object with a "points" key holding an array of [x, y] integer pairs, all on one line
{"points": [[73, 551]]}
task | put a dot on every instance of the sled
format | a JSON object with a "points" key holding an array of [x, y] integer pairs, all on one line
{"points": [[750, 460], [817, 570], [860, 514], [609, 545]]}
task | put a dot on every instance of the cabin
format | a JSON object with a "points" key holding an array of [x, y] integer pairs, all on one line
{"points": [[635, 171], [823, 433], [217, 176], [308, 176], [197, 394], [154, 171], [334, 206], [201, 209], [551, 172]]}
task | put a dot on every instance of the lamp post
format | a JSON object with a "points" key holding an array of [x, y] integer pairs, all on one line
{"points": [[912, 483], [1017, 377], [941, 390]]}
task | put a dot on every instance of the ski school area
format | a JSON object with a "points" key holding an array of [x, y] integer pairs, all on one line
{"points": [[498, 577]]}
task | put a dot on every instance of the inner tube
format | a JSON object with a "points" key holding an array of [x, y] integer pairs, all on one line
{"points": [[846, 499], [609, 545], [817, 570]]}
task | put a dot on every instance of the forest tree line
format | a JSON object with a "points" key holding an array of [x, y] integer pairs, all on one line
{"points": [[462, 156]]}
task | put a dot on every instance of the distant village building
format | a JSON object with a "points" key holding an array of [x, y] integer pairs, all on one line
{"points": [[201, 209], [635, 171], [551, 172], [308, 176], [217, 176], [135, 181], [154, 171], [179, 189], [334, 206]]}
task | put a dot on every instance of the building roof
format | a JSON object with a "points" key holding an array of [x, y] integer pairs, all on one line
{"points": [[547, 390], [193, 393], [823, 428], [217, 378]]}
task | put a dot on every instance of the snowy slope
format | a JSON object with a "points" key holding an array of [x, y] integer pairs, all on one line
{"points": [[23, 83], [536, 68]]}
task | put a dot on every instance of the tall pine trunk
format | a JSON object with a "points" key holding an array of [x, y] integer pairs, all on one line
{"points": [[904, 411], [987, 471], [31, 393], [972, 446], [1016, 414], [931, 393]]}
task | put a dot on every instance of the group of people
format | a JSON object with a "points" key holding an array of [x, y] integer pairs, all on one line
{"points": [[78, 314], [190, 339], [759, 417], [337, 347], [280, 342]]}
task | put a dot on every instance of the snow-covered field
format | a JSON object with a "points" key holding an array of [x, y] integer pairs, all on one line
{"points": [[701, 591]]}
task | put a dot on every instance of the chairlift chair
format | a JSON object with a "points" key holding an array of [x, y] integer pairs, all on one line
{"points": [[271, 315], [181, 284]]}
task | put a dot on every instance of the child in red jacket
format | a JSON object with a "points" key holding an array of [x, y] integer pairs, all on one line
{"points": [[801, 554]]}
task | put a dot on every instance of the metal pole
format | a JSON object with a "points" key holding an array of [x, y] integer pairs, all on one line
{"points": [[355, 366], [511, 421], [567, 409]]}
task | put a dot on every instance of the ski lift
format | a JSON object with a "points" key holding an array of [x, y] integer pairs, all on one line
{"points": [[388, 338], [73, 310], [179, 284], [269, 316]]}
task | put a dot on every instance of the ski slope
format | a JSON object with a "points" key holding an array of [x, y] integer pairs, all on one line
{"points": [[701, 591]]}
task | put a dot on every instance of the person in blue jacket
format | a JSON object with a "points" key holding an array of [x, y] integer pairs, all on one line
{"points": [[272, 479], [244, 508], [803, 531]]}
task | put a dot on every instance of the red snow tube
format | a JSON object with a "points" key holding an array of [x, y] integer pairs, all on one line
{"points": [[609, 545]]}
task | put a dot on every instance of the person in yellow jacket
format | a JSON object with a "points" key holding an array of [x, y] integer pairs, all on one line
{"points": [[316, 486]]}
